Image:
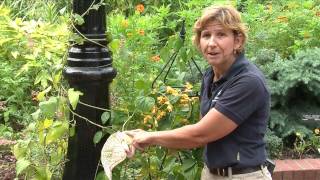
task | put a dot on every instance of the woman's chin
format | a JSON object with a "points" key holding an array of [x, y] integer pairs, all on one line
{"points": [[213, 62]]}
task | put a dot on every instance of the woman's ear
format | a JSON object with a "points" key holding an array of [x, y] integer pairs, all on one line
{"points": [[238, 41]]}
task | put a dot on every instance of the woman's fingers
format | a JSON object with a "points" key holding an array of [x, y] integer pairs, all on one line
{"points": [[130, 151], [138, 136]]}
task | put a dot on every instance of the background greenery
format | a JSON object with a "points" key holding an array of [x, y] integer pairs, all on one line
{"points": [[34, 39]]}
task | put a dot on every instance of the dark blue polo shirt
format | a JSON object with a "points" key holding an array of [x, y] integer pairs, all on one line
{"points": [[246, 101]]}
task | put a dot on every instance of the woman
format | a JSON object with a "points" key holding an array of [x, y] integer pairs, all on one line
{"points": [[234, 104]]}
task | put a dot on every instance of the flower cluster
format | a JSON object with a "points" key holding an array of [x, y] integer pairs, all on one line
{"points": [[171, 104]]}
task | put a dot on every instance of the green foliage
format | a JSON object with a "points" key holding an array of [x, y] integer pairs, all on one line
{"points": [[283, 41], [274, 145], [32, 56], [294, 83], [283, 26], [46, 10], [34, 37], [304, 144]]}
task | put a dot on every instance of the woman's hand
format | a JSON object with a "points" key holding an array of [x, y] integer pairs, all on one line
{"points": [[141, 139]]}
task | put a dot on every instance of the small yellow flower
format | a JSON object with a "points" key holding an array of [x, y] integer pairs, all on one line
{"points": [[282, 18], [171, 90], [146, 119], [269, 7], [162, 100], [184, 99], [160, 115], [140, 8], [169, 108], [195, 98], [188, 86], [129, 34], [154, 110], [317, 131], [124, 23]]}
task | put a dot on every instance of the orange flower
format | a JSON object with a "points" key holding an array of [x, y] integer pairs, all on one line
{"points": [[141, 32], [140, 8], [124, 23], [155, 58]]}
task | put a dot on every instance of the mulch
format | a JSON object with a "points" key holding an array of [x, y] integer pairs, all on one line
{"points": [[7, 160]]}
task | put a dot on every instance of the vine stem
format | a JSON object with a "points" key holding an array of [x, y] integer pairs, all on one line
{"points": [[90, 7], [94, 107], [74, 113], [84, 37], [129, 118], [95, 174]]}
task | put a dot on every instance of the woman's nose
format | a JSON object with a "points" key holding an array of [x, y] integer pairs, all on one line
{"points": [[212, 42]]}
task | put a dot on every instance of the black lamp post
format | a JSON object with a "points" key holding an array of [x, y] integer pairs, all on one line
{"points": [[89, 70]]}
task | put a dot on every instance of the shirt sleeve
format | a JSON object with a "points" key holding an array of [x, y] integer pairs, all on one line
{"points": [[242, 98]]}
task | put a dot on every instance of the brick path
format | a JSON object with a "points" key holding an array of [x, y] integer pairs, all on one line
{"points": [[297, 169]]}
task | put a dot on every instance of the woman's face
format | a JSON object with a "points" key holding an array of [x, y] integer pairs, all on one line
{"points": [[217, 44]]}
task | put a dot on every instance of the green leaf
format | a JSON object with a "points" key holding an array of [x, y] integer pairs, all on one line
{"points": [[15, 54], [105, 117], [188, 164], [20, 150], [97, 137], [36, 115], [96, 6], [77, 38], [78, 19], [144, 104], [43, 172], [114, 45], [41, 95], [178, 44], [73, 97], [48, 108], [72, 131], [21, 165], [142, 85], [56, 132], [101, 176], [6, 116]]}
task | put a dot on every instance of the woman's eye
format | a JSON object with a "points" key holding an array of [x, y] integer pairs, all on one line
{"points": [[205, 35], [220, 34]]}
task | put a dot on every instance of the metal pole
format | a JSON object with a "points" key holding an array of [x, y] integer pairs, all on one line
{"points": [[89, 70]]}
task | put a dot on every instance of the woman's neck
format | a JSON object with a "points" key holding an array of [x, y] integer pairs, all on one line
{"points": [[219, 71]]}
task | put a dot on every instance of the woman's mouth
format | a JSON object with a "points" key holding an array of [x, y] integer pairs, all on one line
{"points": [[213, 53]]}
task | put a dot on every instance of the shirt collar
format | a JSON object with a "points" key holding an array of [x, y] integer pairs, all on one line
{"points": [[238, 65]]}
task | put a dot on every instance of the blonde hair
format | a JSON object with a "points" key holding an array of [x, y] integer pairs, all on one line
{"points": [[227, 16]]}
